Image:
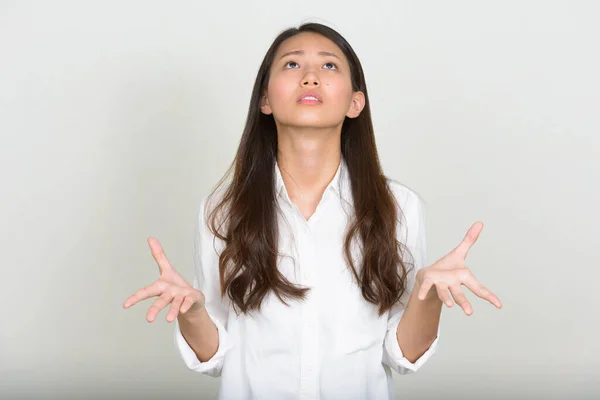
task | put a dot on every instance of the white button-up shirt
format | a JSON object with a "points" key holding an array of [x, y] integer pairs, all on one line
{"points": [[331, 346]]}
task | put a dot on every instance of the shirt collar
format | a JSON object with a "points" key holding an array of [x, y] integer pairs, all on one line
{"points": [[340, 184]]}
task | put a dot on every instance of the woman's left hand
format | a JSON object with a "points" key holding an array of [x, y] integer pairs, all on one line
{"points": [[450, 272]]}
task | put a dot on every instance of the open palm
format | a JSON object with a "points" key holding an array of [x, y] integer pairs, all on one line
{"points": [[170, 288], [449, 273]]}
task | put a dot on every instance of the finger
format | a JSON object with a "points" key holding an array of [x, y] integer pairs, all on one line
{"points": [[187, 304], [482, 292], [158, 305], [174, 310], [444, 295], [424, 289], [461, 299], [159, 255], [142, 294], [470, 238]]}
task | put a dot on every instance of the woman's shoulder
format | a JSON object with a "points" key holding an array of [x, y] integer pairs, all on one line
{"points": [[412, 209], [405, 195], [209, 201]]}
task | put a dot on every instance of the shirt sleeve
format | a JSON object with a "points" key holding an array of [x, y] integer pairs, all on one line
{"points": [[206, 279], [415, 240]]}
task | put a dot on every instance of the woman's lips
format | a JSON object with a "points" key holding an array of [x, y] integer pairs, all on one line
{"points": [[310, 97], [309, 100]]}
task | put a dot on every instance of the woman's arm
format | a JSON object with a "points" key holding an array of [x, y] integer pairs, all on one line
{"points": [[201, 336], [433, 286], [200, 333], [419, 324]]}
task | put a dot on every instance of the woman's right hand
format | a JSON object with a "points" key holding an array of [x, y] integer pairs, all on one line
{"points": [[170, 287]]}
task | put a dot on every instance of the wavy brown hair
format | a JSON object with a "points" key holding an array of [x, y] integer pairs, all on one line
{"points": [[248, 206]]}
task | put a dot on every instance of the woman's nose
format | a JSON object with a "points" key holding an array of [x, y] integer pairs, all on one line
{"points": [[310, 79]]}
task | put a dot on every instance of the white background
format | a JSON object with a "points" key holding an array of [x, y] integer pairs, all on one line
{"points": [[116, 117]]}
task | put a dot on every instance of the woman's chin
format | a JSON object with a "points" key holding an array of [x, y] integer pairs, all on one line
{"points": [[314, 122]]}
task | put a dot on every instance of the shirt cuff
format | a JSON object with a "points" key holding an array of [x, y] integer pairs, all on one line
{"points": [[214, 365], [395, 358]]}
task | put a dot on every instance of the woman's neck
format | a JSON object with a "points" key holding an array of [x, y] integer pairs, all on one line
{"points": [[308, 161]]}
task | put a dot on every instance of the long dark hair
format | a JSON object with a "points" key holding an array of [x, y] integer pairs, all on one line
{"points": [[248, 207]]}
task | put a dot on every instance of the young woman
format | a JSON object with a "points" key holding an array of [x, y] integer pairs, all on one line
{"points": [[309, 265]]}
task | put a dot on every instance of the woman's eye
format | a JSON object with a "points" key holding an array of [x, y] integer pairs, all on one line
{"points": [[293, 64]]}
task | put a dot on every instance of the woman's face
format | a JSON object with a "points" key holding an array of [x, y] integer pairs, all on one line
{"points": [[309, 62]]}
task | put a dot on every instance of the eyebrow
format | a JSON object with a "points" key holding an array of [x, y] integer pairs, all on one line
{"points": [[301, 52]]}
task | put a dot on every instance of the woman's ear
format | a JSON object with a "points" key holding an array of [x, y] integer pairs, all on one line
{"points": [[264, 105], [357, 105]]}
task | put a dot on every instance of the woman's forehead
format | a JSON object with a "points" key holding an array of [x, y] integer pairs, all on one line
{"points": [[309, 43]]}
